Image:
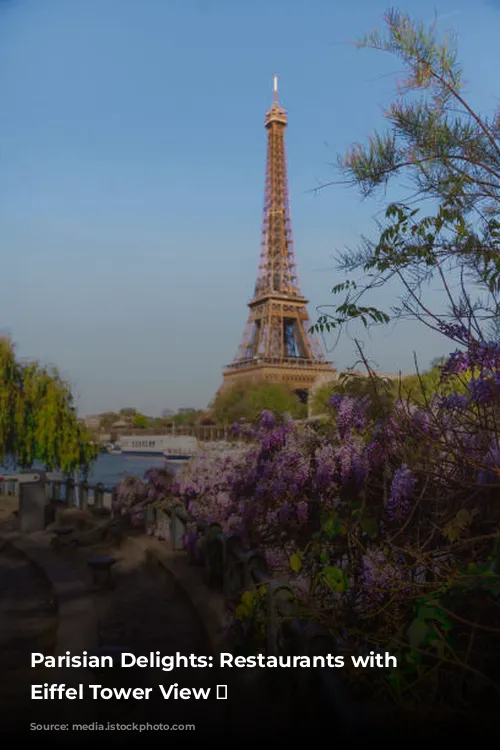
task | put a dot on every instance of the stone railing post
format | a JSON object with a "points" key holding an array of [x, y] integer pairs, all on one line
{"points": [[178, 527], [56, 491], [70, 492], [114, 501], [99, 496], [34, 508], [215, 560], [84, 495], [149, 519]]}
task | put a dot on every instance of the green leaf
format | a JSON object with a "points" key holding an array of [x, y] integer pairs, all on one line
{"points": [[242, 612], [395, 680], [454, 528], [370, 526], [248, 599], [333, 527], [426, 612], [334, 577], [417, 633], [296, 563]]}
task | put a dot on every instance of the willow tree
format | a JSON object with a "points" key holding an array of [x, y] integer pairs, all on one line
{"points": [[38, 420], [446, 230]]}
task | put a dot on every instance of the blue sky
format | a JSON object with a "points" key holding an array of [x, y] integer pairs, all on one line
{"points": [[132, 153]]}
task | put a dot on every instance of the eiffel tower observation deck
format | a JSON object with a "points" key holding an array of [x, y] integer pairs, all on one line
{"points": [[277, 345]]}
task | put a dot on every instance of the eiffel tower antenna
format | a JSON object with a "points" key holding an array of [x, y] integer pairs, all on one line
{"points": [[277, 345]]}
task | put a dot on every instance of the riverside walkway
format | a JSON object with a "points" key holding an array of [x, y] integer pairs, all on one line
{"points": [[28, 622], [145, 611]]}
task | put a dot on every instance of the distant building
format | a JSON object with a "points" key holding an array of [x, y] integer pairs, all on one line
{"points": [[92, 422], [185, 410], [120, 424], [167, 413]]}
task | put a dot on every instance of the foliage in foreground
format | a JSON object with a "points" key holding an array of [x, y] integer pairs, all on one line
{"points": [[388, 529], [38, 421], [446, 236]]}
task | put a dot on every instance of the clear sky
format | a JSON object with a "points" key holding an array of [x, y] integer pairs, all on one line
{"points": [[132, 153]]}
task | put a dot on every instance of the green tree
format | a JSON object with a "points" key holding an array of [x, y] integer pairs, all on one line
{"points": [[186, 418], [128, 412], [140, 421], [447, 230], [38, 420], [380, 391], [246, 399], [107, 420], [421, 387]]}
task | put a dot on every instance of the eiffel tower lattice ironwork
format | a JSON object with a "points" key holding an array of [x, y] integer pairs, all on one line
{"points": [[277, 344]]}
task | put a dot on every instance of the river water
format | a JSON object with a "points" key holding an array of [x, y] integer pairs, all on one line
{"points": [[109, 470]]}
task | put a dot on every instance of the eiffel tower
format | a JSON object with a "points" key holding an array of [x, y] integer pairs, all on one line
{"points": [[277, 345]]}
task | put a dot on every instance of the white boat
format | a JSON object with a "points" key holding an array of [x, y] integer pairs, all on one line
{"points": [[175, 448]]}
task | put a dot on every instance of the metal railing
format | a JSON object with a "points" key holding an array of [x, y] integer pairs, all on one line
{"points": [[277, 361], [169, 524], [202, 432], [60, 490]]}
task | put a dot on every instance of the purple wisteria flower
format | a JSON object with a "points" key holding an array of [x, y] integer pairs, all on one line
{"points": [[267, 420], [302, 511], [351, 462], [223, 499], [335, 400], [274, 440], [326, 466], [351, 414], [479, 355], [276, 558], [351, 411], [376, 451], [490, 474], [380, 576], [402, 488], [454, 401], [272, 516], [456, 331], [129, 492], [485, 388], [285, 512], [287, 475]]}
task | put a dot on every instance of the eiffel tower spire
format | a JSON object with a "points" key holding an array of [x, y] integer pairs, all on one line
{"points": [[277, 345]]}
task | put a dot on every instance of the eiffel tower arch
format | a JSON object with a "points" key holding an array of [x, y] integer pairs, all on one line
{"points": [[277, 345]]}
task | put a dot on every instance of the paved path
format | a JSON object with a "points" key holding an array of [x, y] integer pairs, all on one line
{"points": [[145, 611], [28, 622]]}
